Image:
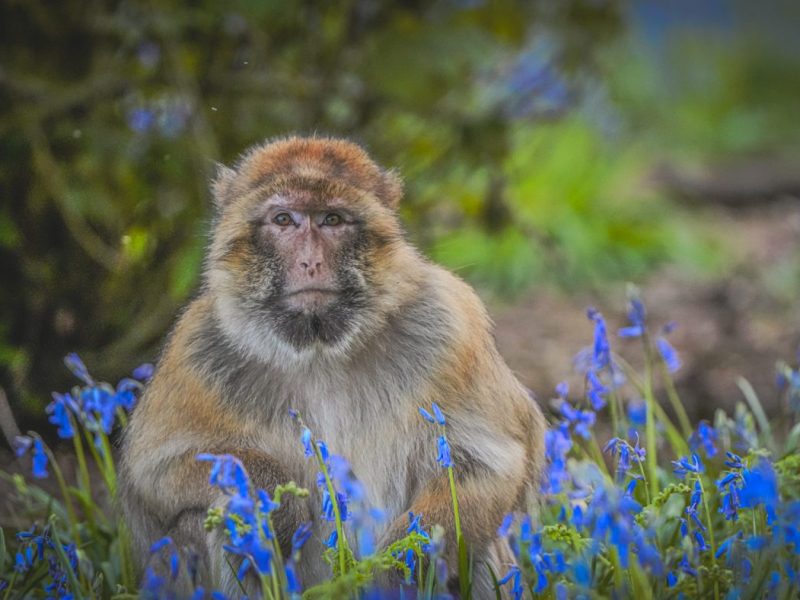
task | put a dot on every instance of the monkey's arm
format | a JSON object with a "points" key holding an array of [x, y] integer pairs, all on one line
{"points": [[164, 489]]}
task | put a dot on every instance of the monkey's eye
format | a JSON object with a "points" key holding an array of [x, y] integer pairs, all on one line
{"points": [[332, 219], [283, 219]]}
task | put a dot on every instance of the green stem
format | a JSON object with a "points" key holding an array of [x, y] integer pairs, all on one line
{"points": [[336, 514], [62, 485], [10, 586], [463, 575], [710, 534], [650, 424], [674, 399]]}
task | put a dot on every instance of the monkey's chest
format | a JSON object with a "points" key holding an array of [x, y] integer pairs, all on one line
{"points": [[373, 441]]}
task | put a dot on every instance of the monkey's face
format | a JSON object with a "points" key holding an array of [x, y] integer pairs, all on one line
{"points": [[316, 259], [298, 249]]}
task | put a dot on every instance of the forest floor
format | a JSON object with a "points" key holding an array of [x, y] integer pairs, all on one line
{"points": [[737, 324]]}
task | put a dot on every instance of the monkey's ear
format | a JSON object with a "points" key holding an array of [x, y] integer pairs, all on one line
{"points": [[391, 189], [222, 186]]}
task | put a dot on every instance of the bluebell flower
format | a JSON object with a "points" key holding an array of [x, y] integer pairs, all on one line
{"points": [[22, 443], [627, 455], [437, 412], [637, 316], [637, 413], [39, 460], [415, 525], [581, 420], [227, 473], [701, 542], [308, 447], [686, 566], [582, 573], [144, 372], [60, 416], [141, 119], [293, 585], [243, 568], [596, 391], [443, 457], [684, 466], [557, 443], [601, 350], [125, 396], [76, 366], [409, 560], [300, 536], [172, 556], [562, 390], [760, 486], [426, 415], [705, 437], [734, 461], [505, 526], [332, 539], [669, 354], [514, 575]]}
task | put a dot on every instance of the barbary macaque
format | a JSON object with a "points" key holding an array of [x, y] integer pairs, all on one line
{"points": [[313, 300]]}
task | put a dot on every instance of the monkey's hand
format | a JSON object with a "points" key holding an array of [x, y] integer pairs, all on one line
{"points": [[485, 495]]}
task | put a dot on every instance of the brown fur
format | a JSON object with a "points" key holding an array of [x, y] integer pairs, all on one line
{"points": [[226, 380]]}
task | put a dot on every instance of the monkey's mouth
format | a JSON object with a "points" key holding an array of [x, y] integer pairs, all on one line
{"points": [[310, 298], [311, 291]]}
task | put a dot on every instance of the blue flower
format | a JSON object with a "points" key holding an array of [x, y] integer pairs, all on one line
{"points": [[637, 316], [514, 575], [436, 417], [581, 420], [669, 354], [685, 466], [333, 538], [637, 413], [293, 585], [704, 436], [227, 473], [760, 486], [627, 454], [411, 564], [557, 444], [39, 460], [601, 350], [562, 390], [144, 372], [141, 119], [596, 391], [734, 461], [426, 415], [76, 366], [443, 457], [505, 526], [60, 415], [308, 448], [415, 525], [173, 556], [22, 443], [300, 536]]}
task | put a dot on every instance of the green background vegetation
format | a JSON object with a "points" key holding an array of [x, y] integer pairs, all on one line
{"points": [[527, 133]]}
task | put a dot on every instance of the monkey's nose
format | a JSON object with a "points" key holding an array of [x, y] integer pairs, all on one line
{"points": [[311, 268]]}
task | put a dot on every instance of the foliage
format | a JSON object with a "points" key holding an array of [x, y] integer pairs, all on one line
{"points": [[615, 521]]}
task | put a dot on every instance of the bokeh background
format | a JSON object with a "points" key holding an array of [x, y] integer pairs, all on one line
{"points": [[553, 151]]}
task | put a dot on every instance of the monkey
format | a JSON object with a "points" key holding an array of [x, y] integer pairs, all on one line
{"points": [[313, 299]]}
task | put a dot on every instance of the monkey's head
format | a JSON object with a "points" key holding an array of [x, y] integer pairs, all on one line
{"points": [[303, 246]]}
